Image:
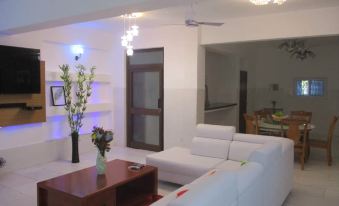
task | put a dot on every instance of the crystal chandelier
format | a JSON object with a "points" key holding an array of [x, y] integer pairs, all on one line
{"points": [[131, 30], [265, 2]]}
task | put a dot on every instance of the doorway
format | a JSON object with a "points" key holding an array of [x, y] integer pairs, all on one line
{"points": [[145, 93]]}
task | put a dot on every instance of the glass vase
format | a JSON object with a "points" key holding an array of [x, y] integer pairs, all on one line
{"points": [[101, 164]]}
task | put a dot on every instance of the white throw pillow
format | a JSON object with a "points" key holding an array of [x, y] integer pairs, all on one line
{"points": [[208, 147]]}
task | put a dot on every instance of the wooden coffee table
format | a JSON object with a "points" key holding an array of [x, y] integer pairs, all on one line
{"points": [[119, 187]]}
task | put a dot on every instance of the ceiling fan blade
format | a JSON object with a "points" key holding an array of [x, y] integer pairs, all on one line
{"points": [[211, 23]]}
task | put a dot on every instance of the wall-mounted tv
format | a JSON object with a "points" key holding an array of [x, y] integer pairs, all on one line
{"points": [[19, 70]]}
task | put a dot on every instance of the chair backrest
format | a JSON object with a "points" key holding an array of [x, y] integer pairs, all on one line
{"points": [[260, 114], [302, 115], [331, 130], [293, 132], [251, 124]]}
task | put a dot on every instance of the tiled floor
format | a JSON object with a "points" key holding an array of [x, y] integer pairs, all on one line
{"points": [[317, 185]]}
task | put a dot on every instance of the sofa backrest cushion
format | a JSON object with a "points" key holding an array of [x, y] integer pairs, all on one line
{"points": [[208, 147], [217, 190], [286, 143], [240, 151], [215, 131], [267, 155]]}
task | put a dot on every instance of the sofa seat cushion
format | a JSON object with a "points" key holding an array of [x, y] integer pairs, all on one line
{"points": [[246, 173], [180, 161], [217, 189]]}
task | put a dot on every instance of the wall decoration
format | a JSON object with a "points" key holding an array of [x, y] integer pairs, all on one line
{"points": [[58, 95], [297, 49]]}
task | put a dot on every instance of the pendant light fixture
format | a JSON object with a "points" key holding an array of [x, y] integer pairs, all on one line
{"points": [[131, 30]]}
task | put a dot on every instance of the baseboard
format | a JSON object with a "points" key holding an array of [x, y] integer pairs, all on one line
{"points": [[44, 152]]}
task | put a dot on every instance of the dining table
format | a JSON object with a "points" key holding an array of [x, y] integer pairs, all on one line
{"points": [[264, 125]]}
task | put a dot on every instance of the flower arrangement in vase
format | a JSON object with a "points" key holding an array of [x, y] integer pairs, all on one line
{"points": [[76, 105], [101, 139]]}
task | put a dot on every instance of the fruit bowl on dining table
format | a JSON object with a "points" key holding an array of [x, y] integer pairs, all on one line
{"points": [[278, 116]]}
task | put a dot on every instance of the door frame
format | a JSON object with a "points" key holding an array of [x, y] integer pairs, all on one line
{"points": [[242, 123], [130, 111]]}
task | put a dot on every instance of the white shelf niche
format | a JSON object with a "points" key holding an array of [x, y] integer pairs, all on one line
{"points": [[60, 110], [55, 77]]}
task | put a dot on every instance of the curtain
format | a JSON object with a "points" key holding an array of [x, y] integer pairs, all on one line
{"points": [[316, 87]]}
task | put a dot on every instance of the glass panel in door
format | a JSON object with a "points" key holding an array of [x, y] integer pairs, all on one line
{"points": [[146, 90]]}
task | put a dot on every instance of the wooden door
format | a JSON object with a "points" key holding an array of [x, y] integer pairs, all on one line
{"points": [[145, 100]]}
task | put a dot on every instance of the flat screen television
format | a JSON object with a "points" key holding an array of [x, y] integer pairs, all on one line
{"points": [[19, 70]]}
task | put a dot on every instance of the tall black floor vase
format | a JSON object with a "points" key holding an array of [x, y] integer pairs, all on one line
{"points": [[75, 147]]}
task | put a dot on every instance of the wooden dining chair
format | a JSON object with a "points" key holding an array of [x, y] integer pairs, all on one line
{"points": [[295, 133], [302, 115], [262, 115], [251, 124], [326, 144]]}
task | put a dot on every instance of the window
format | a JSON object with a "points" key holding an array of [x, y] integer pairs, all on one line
{"points": [[310, 87]]}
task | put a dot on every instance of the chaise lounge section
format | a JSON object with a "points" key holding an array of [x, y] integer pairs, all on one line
{"points": [[258, 169]]}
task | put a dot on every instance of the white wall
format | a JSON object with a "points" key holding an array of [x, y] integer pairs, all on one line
{"points": [[54, 46], [275, 66], [180, 81], [222, 79]]}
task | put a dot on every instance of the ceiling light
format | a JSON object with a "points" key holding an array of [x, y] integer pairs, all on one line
{"points": [[130, 50], [265, 2], [135, 30], [279, 1], [260, 2], [124, 41], [131, 30]]}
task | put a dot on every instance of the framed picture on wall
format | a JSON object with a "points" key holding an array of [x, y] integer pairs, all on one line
{"points": [[58, 95]]}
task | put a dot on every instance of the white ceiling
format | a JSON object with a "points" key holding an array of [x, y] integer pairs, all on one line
{"points": [[213, 10]]}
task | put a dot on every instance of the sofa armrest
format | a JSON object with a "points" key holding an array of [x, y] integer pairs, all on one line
{"points": [[267, 154]]}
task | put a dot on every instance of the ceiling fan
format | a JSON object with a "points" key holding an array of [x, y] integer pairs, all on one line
{"points": [[193, 23], [190, 20]]}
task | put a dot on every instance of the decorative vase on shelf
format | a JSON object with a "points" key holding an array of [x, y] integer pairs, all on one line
{"points": [[101, 164]]}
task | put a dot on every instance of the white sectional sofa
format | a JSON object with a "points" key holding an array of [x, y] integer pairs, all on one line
{"points": [[227, 169]]}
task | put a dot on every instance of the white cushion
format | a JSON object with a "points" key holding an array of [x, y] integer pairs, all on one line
{"points": [[261, 139], [240, 151], [216, 190], [180, 161], [215, 131], [267, 154], [210, 147]]}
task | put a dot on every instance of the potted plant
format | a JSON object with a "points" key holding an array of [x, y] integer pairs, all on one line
{"points": [[76, 107], [101, 139]]}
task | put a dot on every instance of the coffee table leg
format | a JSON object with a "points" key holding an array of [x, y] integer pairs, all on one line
{"points": [[42, 196]]}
